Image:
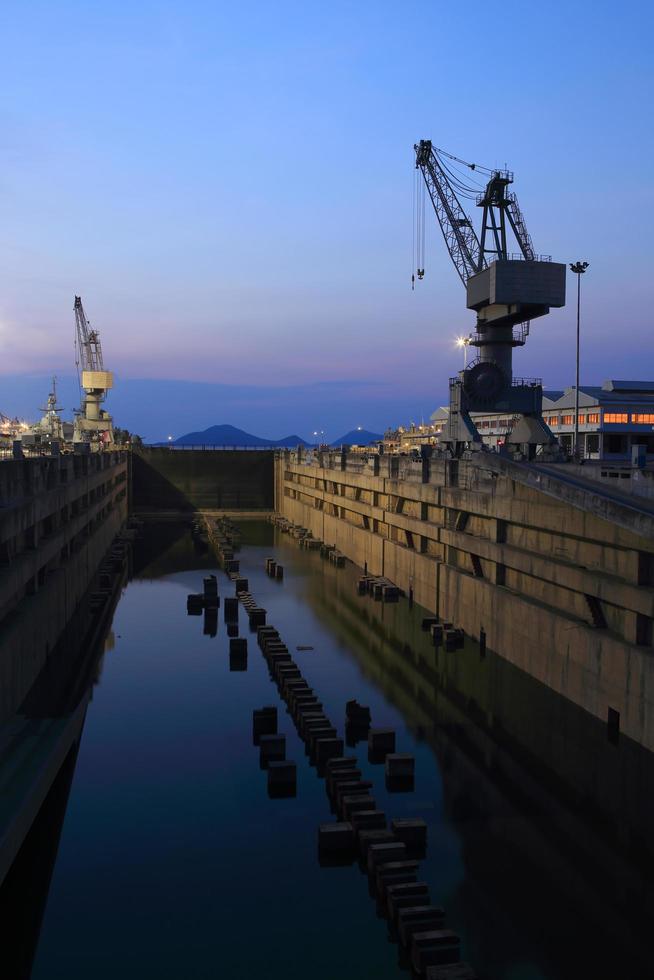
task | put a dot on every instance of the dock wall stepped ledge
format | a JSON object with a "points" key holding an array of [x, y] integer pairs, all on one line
{"points": [[559, 575], [58, 517]]}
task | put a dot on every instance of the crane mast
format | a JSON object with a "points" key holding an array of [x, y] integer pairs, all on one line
{"points": [[93, 425], [505, 290]]}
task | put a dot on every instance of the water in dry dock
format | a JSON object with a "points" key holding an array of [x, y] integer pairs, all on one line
{"points": [[174, 863]]}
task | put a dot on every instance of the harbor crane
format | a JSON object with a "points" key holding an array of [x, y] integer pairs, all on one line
{"points": [[505, 289], [93, 425]]}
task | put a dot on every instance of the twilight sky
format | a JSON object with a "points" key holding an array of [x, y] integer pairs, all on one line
{"points": [[228, 186]]}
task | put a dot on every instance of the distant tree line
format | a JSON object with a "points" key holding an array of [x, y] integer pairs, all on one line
{"points": [[123, 437]]}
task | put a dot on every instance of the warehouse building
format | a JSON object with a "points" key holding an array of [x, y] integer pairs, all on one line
{"points": [[612, 419]]}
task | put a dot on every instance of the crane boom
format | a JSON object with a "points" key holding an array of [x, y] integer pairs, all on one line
{"points": [[458, 232], [88, 340]]}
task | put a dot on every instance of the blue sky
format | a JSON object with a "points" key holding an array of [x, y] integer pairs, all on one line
{"points": [[228, 186]]}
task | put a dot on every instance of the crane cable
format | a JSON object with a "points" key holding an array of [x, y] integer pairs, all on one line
{"points": [[471, 166], [413, 230], [77, 357], [418, 226]]}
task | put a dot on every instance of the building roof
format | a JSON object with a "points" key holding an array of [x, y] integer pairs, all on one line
{"points": [[440, 415], [610, 393], [642, 387]]}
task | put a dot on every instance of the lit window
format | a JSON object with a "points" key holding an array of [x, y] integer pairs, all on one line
{"points": [[593, 418], [567, 420], [582, 420], [616, 417], [643, 418]]}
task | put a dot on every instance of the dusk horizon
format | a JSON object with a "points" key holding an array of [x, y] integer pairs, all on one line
{"points": [[178, 197]]}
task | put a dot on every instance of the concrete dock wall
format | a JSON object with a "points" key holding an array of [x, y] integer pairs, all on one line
{"points": [[562, 592], [58, 517], [188, 480]]}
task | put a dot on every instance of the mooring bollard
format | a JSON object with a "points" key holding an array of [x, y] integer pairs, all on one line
{"points": [[230, 609], [451, 640], [325, 748], [367, 838], [382, 853], [399, 764], [381, 741], [344, 762], [257, 617], [368, 820], [411, 831], [282, 778], [336, 837], [418, 918], [360, 787], [194, 605], [317, 732], [279, 573], [272, 748], [358, 713], [264, 722], [349, 804], [387, 874], [434, 948], [406, 895], [339, 776]]}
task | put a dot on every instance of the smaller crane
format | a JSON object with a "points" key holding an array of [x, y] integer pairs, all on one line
{"points": [[93, 425]]}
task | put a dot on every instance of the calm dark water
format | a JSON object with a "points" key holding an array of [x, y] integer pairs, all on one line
{"points": [[174, 863]]}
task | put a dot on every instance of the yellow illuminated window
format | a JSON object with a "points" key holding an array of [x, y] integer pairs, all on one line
{"points": [[567, 420], [615, 417], [593, 418], [582, 420], [643, 417]]}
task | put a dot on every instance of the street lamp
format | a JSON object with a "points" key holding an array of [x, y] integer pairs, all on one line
{"points": [[319, 432], [578, 268], [465, 343]]}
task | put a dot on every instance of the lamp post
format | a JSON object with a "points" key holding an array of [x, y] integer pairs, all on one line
{"points": [[465, 343], [578, 268]]}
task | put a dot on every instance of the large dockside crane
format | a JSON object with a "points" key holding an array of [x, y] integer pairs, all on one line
{"points": [[506, 290], [93, 425]]}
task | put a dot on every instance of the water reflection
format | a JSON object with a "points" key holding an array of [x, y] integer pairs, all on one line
{"points": [[552, 817], [538, 825]]}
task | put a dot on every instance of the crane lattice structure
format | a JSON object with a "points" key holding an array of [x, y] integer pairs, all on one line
{"points": [[88, 340], [503, 288]]}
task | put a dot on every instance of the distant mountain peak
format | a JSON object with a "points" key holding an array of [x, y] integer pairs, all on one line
{"points": [[357, 437], [230, 435]]}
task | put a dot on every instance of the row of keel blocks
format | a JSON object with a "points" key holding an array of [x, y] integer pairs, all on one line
{"points": [[389, 853], [379, 588]]}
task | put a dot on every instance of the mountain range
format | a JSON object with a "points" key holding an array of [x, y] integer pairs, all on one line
{"points": [[229, 435]]}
